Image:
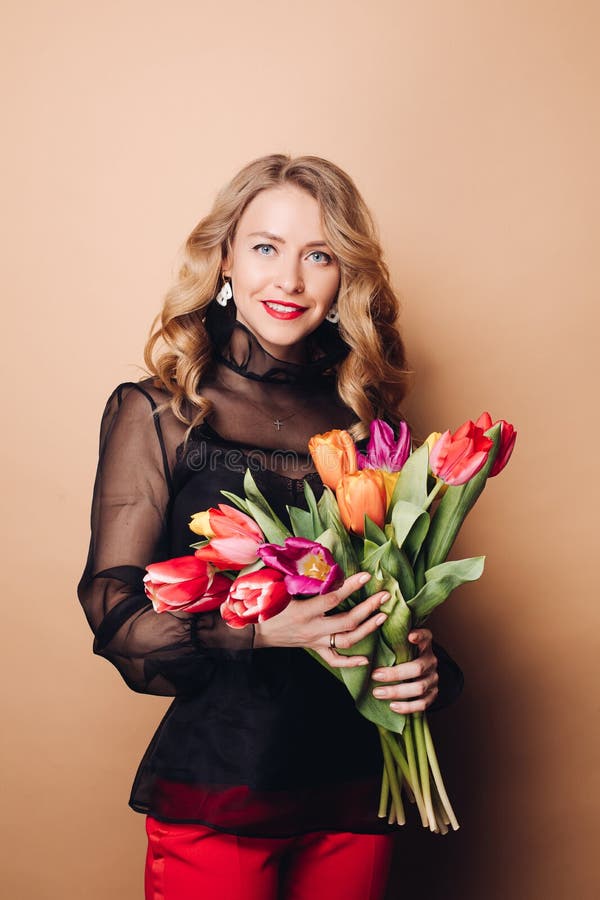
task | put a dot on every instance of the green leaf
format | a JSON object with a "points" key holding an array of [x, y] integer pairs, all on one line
{"points": [[273, 529], [200, 543], [394, 561], [251, 567], [344, 556], [237, 501], [257, 502], [399, 617], [454, 507], [412, 481], [311, 501], [373, 532], [440, 581], [330, 516], [411, 524], [328, 509], [358, 681], [302, 522]]}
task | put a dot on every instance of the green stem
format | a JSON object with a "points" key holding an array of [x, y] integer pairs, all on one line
{"points": [[384, 795], [437, 776], [442, 815], [393, 780], [412, 764], [398, 755], [433, 494], [424, 769]]}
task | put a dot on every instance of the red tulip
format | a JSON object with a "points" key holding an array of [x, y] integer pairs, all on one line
{"points": [[255, 597], [455, 458], [236, 539], [508, 436], [362, 493], [185, 583]]}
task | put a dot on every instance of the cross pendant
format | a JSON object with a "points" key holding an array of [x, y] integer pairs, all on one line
{"points": [[277, 424]]}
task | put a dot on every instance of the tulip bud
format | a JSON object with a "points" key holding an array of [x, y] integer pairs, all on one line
{"points": [[508, 436], [308, 567], [334, 455], [455, 458], [184, 583], [255, 597], [200, 524], [359, 494]]}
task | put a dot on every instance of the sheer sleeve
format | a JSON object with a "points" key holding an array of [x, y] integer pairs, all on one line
{"points": [[156, 653]]}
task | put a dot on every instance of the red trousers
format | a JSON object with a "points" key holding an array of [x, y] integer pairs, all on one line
{"points": [[193, 862]]}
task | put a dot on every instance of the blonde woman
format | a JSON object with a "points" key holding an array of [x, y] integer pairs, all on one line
{"points": [[261, 781]]}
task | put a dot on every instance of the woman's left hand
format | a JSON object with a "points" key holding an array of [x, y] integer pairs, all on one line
{"points": [[410, 686]]}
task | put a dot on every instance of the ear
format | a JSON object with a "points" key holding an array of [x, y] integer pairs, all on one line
{"points": [[226, 264]]}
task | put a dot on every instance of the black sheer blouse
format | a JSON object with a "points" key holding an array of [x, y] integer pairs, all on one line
{"points": [[261, 742]]}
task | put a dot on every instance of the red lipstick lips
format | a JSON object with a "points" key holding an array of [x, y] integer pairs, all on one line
{"points": [[292, 311]]}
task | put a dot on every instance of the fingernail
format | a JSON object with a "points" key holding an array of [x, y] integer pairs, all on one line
{"points": [[362, 662], [364, 578], [379, 692], [377, 676], [396, 707], [379, 620], [385, 596]]}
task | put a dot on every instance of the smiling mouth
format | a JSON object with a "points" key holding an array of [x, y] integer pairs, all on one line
{"points": [[283, 311]]}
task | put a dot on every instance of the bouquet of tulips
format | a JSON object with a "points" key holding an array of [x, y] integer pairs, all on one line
{"points": [[393, 513]]}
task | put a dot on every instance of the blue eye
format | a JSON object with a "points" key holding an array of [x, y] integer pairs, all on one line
{"points": [[320, 253], [326, 258]]}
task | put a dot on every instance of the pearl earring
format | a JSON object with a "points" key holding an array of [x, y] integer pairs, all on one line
{"points": [[224, 294], [333, 315]]}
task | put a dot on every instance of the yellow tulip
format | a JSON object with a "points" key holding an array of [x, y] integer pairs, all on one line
{"points": [[200, 524], [432, 439], [389, 480]]}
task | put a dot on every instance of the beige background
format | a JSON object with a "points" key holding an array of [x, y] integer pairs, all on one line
{"points": [[472, 130]]}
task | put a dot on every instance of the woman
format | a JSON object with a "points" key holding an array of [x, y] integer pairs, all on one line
{"points": [[262, 779]]}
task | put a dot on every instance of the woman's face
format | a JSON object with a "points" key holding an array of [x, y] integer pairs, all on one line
{"points": [[283, 274]]}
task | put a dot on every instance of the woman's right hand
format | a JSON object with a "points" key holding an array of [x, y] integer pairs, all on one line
{"points": [[303, 623]]}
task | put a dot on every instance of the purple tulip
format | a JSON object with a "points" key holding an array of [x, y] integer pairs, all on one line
{"points": [[384, 451], [308, 566]]}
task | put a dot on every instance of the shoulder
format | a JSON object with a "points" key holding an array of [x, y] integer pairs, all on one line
{"points": [[134, 403], [138, 395]]}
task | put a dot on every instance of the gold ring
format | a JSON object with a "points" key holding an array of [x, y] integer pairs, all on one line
{"points": [[332, 642]]}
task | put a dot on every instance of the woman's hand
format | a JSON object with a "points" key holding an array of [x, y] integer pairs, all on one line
{"points": [[303, 623], [416, 694]]}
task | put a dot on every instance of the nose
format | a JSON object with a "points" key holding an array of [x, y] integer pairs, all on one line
{"points": [[289, 277]]}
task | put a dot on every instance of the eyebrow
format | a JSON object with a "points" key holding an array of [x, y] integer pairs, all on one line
{"points": [[275, 237]]}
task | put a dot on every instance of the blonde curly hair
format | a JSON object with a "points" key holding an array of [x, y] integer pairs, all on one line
{"points": [[372, 379]]}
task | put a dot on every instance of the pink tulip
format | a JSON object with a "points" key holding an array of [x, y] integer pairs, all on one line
{"points": [[455, 458], [237, 538], [308, 567], [255, 597], [384, 451], [185, 583], [508, 436]]}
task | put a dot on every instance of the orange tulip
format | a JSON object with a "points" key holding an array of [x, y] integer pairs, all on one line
{"points": [[360, 493], [334, 455]]}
